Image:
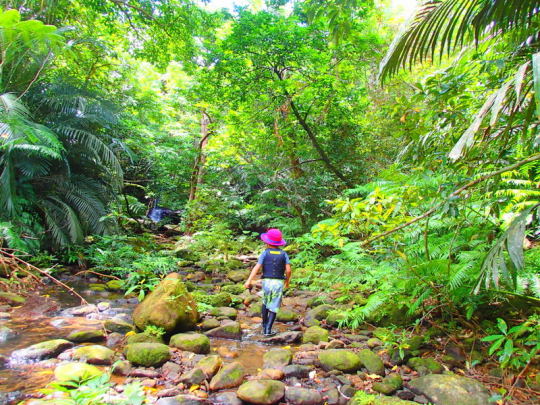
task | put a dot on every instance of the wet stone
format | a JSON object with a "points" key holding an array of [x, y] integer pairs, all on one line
{"points": [[94, 354], [450, 390], [277, 358], [315, 334], [229, 331], [226, 312], [283, 338], [118, 325], [144, 373], [168, 392], [210, 323], [226, 398], [114, 339], [122, 368], [171, 371], [230, 376], [261, 392], [303, 396], [210, 365], [194, 376], [340, 359], [298, 371], [270, 374], [90, 335], [43, 350], [6, 334]]}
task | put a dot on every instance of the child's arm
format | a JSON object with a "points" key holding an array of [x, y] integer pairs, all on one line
{"points": [[288, 273], [252, 275]]}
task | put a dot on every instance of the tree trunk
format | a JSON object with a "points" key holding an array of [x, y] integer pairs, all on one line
{"points": [[198, 166]]}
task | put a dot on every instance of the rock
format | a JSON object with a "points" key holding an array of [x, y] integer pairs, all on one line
{"points": [[413, 343], [118, 325], [425, 366], [442, 389], [5, 315], [340, 359], [297, 371], [238, 275], [390, 384], [97, 287], [169, 392], [122, 368], [12, 299], [371, 362], [168, 306], [224, 312], [75, 372], [226, 398], [363, 398], [43, 350], [261, 392], [277, 358], [283, 338], [114, 339], [286, 315], [235, 289], [271, 374], [6, 334], [143, 338], [229, 376], [193, 376], [221, 299], [103, 306], [315, 334], [227, 353], [82, 310], [318, 314], [335, 344], [303, 396], [191, 342], [144, 373], [114, 285], [171, 371], [182, 400], [147, 354], [229, 331], [210, 323], [319, 300], [335, 317], [210, 365], [90, 335], [94, 354], [374, 342]]}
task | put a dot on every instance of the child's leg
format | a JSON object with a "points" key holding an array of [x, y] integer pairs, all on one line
{"points": [[264, 315], [270, 323]]}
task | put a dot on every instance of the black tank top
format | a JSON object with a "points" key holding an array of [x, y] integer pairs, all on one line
{"points": [[274, 264]]}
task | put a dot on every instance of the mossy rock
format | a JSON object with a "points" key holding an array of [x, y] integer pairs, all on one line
{"points": [[303, 396], [233, 264], [231, 330], [317, 314], [335, 317], [168, 306], [255, 309], [227, 312], [75, 372], [147, 354], [383, 334], [193, 376], [43, 350], [339, 359], [90, 335], [210, 365], [238, 275], [261, 392], [413, 343], [371, 362], [319, 300], [11, 298], [118, 325], [451, 389], [191, 342], [286, 315], [363, 398], [230, 376], [234, 289], [210, 323], [222, 299], [315, 335], [277, 358], [359, 299], [425, 366], [97, 287], [143, 338], [94, 354], [115, 285], [390, 384]]}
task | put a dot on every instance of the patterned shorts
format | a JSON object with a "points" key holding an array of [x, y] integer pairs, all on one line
{"points": [[272, 293]]}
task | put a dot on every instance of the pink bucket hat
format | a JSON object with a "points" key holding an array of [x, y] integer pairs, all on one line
{"points": [[273, 237]]}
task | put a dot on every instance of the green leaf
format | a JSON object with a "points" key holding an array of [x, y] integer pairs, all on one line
{"points": [[501, 324], [491, 338], [495, 346], [536, 79]]}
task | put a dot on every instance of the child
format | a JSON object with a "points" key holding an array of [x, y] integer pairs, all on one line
{"points": [[276, 276]]}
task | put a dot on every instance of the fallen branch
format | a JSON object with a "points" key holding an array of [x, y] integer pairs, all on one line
{"points": [[434, 209], [20, 262], [97, 274]]}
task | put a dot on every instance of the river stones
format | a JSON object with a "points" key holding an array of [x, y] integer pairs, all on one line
{"points": [[191, 342], [303, 396], [147, 354], [168, 306], [442, 389], [238, 275], [231, 330], [114, 285], [118, 325], [313, 316], [261, 392], [339, 359], [315, 334], [75, 372], [235, 289], [363, 398], [286, 315], [390, 384], [277, 358], [224, 312], [210, 365], [226, 398], [94, 354], [374, 342], [193, 376], [82, 310], [89, 335], [143, 338], [371, 362], [229, 376], [43, 350], [298, 371], [335, 317], [425, 366], [271, 374], [283, 338], [182, 400], [6, 334], [209, 323], [122, 368], [11, 298]]}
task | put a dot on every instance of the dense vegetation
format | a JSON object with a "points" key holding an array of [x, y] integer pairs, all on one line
{"points": [[402, 164]]}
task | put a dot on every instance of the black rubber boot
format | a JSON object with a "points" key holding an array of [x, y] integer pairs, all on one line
{"points": [[264, 316], [268, 327]]}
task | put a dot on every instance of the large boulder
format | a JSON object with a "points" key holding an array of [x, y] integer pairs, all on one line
{"points": [[339, 359], [315, 335], [43, 350], [442, 389], [277, 358], [191, 342], [94, 354], [261, 392], [210, 365], [371, 362], [229, 376], [147, 354], [168, 306], [75, 372], [303, 396], [230, 330]]}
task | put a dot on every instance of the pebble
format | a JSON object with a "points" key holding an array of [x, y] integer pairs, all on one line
{"points": [[103, 306]]}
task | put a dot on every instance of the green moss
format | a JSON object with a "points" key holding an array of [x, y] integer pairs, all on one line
{"points": [[143, 338], [425, 366], [191, 342], [234, 289], [315, 334], [363, 398], [339, 359], [80, 336], [75, 372], [371, 362], [147, 354]]}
